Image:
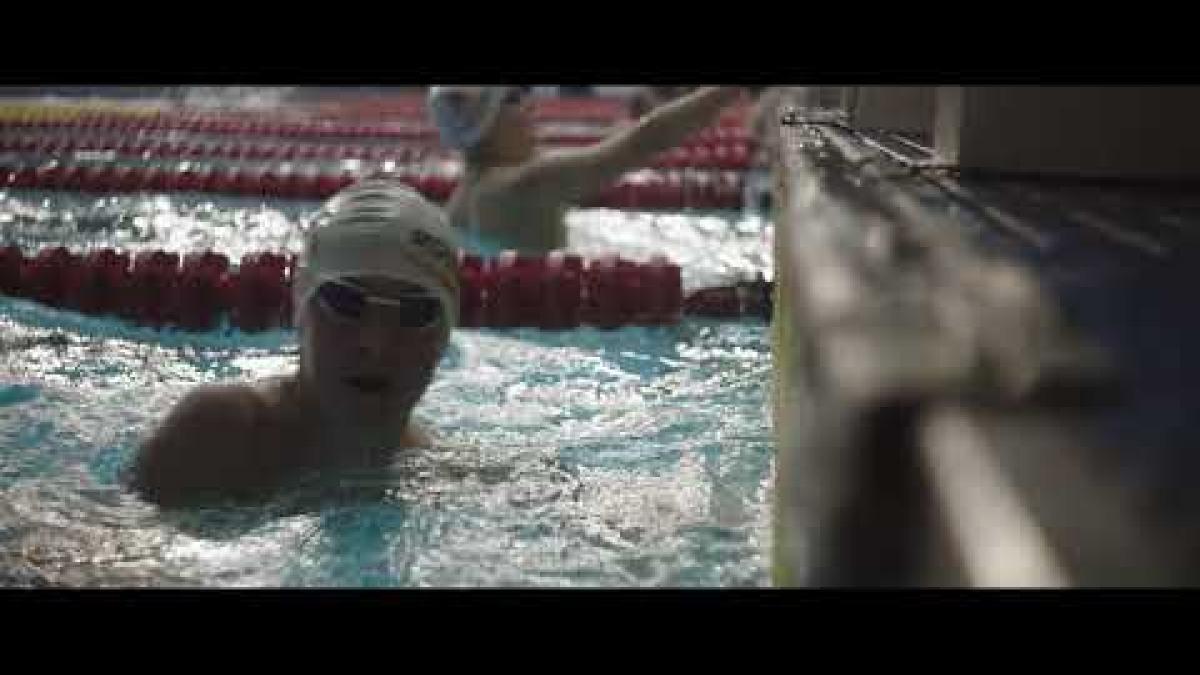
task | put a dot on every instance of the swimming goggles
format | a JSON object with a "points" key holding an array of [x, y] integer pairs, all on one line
{"points": [[347, 302]]}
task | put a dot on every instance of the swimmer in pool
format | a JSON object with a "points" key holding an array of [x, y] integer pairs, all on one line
{"points": [[511, 195], [376, 296]]}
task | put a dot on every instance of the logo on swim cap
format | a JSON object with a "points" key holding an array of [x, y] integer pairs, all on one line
{"points": [[435, 246]]}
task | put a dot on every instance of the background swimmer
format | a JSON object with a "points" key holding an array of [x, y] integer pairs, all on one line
{"points": [[511, 195]]}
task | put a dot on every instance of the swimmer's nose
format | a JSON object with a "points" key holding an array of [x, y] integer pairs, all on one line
{"points": [[373, 339]]}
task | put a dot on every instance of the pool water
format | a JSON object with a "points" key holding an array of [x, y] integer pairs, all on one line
{"points": [[635, 457]]}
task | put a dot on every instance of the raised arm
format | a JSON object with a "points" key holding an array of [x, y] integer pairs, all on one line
{"points": [[570, 175]]}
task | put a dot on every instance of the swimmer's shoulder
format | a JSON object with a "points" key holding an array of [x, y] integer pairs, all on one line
{"points": [[226, 410], [209, 443], [417, 435], [497, 184], [488, 192]]}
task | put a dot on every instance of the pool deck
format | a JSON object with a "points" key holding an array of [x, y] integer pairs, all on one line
{"points": [[980, 380]]}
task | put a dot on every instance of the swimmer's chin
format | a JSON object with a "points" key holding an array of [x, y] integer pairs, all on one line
{"points": [[370, 384], [376, 386]]}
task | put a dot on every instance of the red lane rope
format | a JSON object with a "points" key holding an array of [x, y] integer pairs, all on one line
{"points": [[730, 156], [641, 190], [404, 130], [201, 291]]}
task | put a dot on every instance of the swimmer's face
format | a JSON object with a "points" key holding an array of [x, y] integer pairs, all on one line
{"points": [[371, 345], [514, 126]]}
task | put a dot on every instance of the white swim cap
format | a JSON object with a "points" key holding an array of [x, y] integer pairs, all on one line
{"points": [[381, 227], [463, 115]]}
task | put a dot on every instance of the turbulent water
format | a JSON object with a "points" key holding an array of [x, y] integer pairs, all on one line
{"points": [[584, 458]]}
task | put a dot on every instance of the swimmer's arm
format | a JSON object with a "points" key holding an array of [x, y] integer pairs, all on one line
{"points": [[571, 175], [201, 450]]}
